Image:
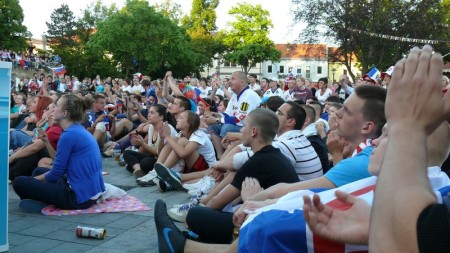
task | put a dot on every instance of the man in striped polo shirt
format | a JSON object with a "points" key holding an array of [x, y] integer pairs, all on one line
{"points": [[292, 143]]}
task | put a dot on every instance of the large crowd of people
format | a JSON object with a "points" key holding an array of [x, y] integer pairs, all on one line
{"points": [[270, 165]]}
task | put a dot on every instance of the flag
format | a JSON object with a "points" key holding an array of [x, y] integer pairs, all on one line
{"points": [[59, 71], [281, 227]]}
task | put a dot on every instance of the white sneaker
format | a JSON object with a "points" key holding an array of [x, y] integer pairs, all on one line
{"points": [[204, 186], [147, 180], [179, 213]]}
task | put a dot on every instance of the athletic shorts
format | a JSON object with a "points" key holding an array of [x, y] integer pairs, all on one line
{"points": [[199, 165]]}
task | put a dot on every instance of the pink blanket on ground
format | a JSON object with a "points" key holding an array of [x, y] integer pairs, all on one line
{"points": [[125, 204]]}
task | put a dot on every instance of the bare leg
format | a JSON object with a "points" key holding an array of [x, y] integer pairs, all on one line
{"points": [[100, 137], [164, 153], [198, 247], [193, 175], [121, 125], [219, 187], [217, 142], [136, 167]]}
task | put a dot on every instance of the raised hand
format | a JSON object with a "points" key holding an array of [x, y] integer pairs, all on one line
{"points": [[345, 226], [422, 106]]}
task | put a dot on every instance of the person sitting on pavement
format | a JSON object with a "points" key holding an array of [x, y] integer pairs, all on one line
{"points": [[268, 165], [25, 160], [189, 152], [292, 144], [243, 101], [75, 180], [22, 136], [353, 223], [359, 121], [141, 162]]}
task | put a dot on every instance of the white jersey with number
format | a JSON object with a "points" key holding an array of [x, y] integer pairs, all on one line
{"points": [[240, 105]]}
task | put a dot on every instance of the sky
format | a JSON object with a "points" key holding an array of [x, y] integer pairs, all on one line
{"points": [[38, 12]]}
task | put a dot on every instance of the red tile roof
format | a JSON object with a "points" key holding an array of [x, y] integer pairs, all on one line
{"points": [[308, 51]]}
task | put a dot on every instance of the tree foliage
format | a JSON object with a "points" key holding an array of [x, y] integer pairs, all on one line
{"points": [[62, 28], [171, 10], [14, 35], [335, 21], [137, 33], [247, 42], [201, 27]]}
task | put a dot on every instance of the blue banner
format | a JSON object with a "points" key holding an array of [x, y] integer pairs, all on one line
{"points": [[5, 94]]}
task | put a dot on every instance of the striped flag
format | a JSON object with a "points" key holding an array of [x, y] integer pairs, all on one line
{"points": [[59, 71], [281, 227]]}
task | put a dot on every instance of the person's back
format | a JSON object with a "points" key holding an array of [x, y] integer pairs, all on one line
{"points": [[78, 152]]}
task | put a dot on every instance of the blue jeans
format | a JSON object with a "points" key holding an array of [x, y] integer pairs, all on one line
{"points": [[222, 130], [18, 138], [57, 193]]}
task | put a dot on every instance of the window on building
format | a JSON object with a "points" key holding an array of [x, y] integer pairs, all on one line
{"points": [[269, 68], [308, 72], [299, 71], [281, 69], [345, 72], [319, 70]]}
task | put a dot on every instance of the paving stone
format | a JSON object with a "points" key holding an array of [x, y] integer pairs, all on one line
{"points": [[36, 246], [125, 232]]}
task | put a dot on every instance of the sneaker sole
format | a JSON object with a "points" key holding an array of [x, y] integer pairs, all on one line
{"points": [[176, 217], [165, 174], [145, 184]]}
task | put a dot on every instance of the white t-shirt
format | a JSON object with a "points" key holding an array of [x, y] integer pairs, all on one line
{"points": [[137, 88], [240, 106], [323, 97], [255, 87], [204, 92], [295, 147], [277, 92], [126, 88], [205, 147], [287, 96]]}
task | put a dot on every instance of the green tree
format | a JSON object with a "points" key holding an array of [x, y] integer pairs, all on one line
{"points": [[137, 33], [201, 27], [336, 20], [62, 28], [171, 10], [247, 41], [14, 35]]}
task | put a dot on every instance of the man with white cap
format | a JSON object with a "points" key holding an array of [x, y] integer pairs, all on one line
{"points": [[273, 90], [386, 76]]}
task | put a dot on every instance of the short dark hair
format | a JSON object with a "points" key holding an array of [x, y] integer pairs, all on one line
{"points": [[146, 82], [332, 98], [185, 103], [373, 109], [310, 112], [317, 104], [298, 113], [274, 102], [97, 97], [265, 120], [253, 75]]}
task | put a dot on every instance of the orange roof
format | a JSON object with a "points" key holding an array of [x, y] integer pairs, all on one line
{"points": [[307, 51]]}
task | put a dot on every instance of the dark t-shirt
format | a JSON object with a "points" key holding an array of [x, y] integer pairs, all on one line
{"points": [[269, 166], [433, 228], [322, 151]]}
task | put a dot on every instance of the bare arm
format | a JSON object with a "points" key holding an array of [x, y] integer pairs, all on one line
{"points": [[228, 194], [281, 189], [31, 149], [414, 108]]}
